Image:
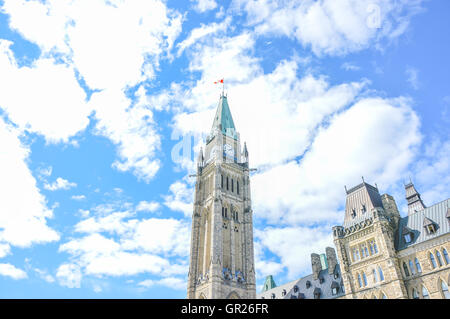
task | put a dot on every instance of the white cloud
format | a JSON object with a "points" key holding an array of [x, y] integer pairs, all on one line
{"points": [[328, 26], [78, 197], [294, 245], [170, 282], [201, 32], [24, 209], [11, 271], [132, 129], [43, 98], [123, 50], [69, 275], [5, 249], [412, 76], [44, 275], [205, 5], [353, 145], [60, 183], [348, 66], [181, 198], [148, 206]]}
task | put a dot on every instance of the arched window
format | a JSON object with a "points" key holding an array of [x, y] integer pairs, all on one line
{"points": [[433, 261], [373, 247], [445, 290], [405, 269], [296, 287], [232, 185], [237, 187], [425, 294], [380, 272], [444, 252], [237, 216], [359, 281], [415, 295], [364, 279], [384, 296], [272, 296], [411, 266], [419, 269], [283, 293], [227, 182], [374, 273], [438, 255]]}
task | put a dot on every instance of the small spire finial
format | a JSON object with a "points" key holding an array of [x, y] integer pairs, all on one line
{"points": [[362, 179]]}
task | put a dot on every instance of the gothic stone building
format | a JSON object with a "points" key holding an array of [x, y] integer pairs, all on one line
{"points": [[381, 254], [221, 256], [386, 256]]}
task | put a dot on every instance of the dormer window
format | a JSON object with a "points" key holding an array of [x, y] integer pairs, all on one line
{"points": [[283, 293], [272, 296], [295, 288], [317, 293], [408, 238], [321, 280], [363, 209], [308, 284], [429, 226], [334, 288]]}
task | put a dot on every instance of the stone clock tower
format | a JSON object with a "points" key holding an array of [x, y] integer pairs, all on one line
{"points": [[222, 258]]}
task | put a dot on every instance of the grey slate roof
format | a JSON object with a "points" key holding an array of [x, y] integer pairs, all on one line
{"points": [[437, 214], [308, 293]]}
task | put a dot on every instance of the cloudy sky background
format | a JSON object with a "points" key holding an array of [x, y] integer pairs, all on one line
{"points": [[104, 104]]}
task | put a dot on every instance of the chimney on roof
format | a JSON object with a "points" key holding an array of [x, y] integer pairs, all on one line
{"points": [[331, 259], [316, 265]]}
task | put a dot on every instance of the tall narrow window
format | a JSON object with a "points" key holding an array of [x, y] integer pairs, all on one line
{"points": [[227, 182], [384, 296], [226, 212], [374, 273], [413, 271], [364, 279], [359, 281], [237, 187], [444, 252], [419, 269], [438, 255], [221, 181], [405, 269], [232, 185], [445, 290], [237, 216], [380, 272], [425, 293], [433, 261], [415, 295]]}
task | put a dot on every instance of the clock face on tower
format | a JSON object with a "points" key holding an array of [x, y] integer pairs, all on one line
{"points": [[228, 150], [213, 152]]}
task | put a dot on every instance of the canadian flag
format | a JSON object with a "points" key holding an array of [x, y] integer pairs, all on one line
{"points": [[220, 81]]}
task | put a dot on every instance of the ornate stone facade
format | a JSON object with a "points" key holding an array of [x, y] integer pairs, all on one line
{"points": [[386, 256], [222, 257]]}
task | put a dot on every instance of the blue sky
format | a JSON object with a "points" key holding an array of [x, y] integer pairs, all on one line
{"points": [[104, 104]]}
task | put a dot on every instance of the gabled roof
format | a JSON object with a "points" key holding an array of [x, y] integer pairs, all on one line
{"points": [[223, 119], [435, 214]]}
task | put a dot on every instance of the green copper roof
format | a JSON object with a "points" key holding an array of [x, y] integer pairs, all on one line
{"points": [[223, 119], [269, 283]]}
